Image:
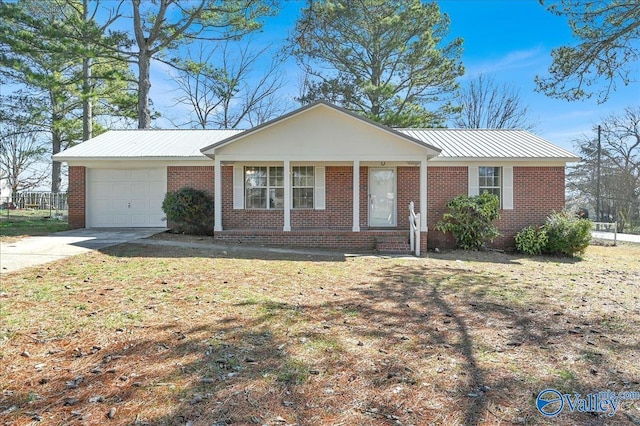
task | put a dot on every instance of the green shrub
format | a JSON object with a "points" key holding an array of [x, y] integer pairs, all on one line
{"points": [[190, 210], [470, 220], [532, 240], [568, 234]]}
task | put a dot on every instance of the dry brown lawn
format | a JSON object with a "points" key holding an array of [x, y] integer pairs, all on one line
{"points": [[141, 334]]}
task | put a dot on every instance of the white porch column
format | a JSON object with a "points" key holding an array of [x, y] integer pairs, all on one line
{"points": [[423, 195], [287, 196], [217, 195], [356, 196]]}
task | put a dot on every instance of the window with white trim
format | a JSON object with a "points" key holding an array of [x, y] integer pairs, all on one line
{"points": [[264, 187], [490, 180], [303, 186]]}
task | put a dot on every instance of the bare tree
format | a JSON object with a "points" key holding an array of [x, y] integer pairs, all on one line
{"points": [[487, 105], [22, 157], [240, 90], [619, 168], [166, 24]]}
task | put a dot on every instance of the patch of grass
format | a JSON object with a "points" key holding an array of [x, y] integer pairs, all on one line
{"points": [[27, 223], [174, 335], [292, 372]]}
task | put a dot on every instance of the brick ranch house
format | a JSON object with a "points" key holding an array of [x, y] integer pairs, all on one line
{"points": [[319, 176]]}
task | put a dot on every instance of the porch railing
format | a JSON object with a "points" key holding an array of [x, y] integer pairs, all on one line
{"points": [[414, 230]]}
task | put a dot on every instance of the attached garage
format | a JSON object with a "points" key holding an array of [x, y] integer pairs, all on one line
{"points": [[126, 197], [119, 178]]}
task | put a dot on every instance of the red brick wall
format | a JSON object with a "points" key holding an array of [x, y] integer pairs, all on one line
{"points": [[239, 219], [537, 191], [364, 197], [443, 183], [197, 177], [326, 239], [77, 196], [339, 206], [408, 190], [338, 213]]}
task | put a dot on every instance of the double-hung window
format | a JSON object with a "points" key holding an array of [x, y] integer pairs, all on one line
{"points": [[264, 187], [495, 180], [490, 180], [303, 187]]}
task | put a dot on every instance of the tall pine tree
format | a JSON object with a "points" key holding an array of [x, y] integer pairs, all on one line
{"points": [[42, 46]]}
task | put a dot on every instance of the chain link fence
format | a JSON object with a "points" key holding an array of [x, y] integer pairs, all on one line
{"points": [[39, 203]]}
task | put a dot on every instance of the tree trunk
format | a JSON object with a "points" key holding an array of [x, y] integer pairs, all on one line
{"points": [[144, 86], [55, 167], [87, 106]]}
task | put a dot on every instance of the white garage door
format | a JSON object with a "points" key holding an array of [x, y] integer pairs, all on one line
{"points": [[126, 198]]}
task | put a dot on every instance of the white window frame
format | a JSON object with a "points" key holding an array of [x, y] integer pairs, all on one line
{"points": [[295, 184], [269, 187], [239, 191], [490, 188], [506, 184]]}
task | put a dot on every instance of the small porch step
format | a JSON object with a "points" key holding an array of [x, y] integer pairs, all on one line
{"points": [[393, 244]]}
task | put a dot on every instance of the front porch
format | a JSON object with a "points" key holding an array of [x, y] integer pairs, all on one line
{"points": [[375, 241], [320, 177]]}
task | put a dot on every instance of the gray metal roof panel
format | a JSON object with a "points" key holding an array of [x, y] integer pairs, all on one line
{"points": [[489, 143], [146, 144]]}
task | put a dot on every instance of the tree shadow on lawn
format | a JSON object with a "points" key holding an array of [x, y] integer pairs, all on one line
{"points": [[411, 344], [507, 350], [218, 374]]}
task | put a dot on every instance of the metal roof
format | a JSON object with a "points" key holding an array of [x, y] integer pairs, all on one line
{"points": [[468, 144], [455, 144], [150, 143]]}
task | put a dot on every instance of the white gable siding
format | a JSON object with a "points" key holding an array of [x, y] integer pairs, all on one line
{"points": [[321, 134]]}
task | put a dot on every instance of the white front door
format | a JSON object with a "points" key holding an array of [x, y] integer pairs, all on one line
{"points": [[382, 197]]}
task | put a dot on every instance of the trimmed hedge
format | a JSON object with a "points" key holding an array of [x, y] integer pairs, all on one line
{"points": [[191, 210]]}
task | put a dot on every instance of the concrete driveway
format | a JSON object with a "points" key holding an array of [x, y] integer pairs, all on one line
{"points": [[630, 238], [33, 251]]}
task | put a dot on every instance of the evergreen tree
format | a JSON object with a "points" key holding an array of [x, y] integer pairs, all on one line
{"points": [[385, 59]]}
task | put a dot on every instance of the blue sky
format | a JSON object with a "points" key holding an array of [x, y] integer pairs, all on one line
{"points": [[508, 40]]}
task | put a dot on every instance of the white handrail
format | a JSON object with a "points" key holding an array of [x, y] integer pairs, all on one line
{"points": [[414, 232]]}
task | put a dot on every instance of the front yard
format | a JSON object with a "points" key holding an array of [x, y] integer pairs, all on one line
{"points": [[139, 334]]}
